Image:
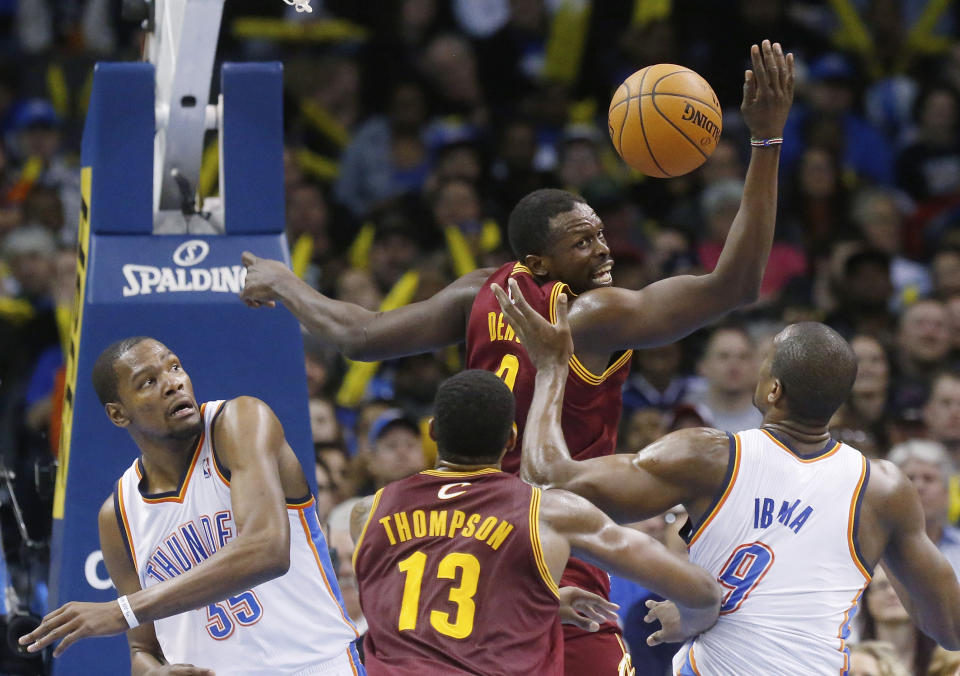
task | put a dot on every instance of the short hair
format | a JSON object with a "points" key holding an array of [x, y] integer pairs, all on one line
{"points": [[923, 450], [104, 375], [528, 227], [816, 368], [473, 416]]}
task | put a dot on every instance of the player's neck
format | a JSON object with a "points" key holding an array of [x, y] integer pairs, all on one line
{"points": [[446, 466], [802, 437], [165, 461]]}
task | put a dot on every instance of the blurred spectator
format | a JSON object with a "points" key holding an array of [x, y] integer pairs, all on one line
{"points": [[579, 158], [450, 66], [387, 156], [324, 427], [395, 248], [941, 412], [923, 342], [34, 138], [307, 232], [341, 547], [720, 203], [885, 619], [396, 448], [827, 116], [334, 458], [415, 382], [927, 464], [863, 295], [358, 286], [632, 599], [929, 168], [867, 406], [729, 368], [875, 658], [815, 200], [655, 380], [513, 169], [945, 268], [877, 214], [640, 428], [944, 663], [326, 491]]}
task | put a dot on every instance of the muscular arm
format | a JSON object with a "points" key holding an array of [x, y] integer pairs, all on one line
{"points": [[250, 441], [592, 536], [608, 319], [932, 593], [359, 333], [686, 467]]}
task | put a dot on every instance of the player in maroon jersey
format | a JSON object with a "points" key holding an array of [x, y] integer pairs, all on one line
{"points": [[458, 566], [559, 244]]}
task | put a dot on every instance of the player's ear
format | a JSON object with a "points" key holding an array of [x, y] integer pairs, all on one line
{"points": [[512, 439], [776, 392], [538, 264], [116, 414], [431, 429]]}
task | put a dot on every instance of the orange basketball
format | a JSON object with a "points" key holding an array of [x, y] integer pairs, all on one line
{"points": [[665, 120]]}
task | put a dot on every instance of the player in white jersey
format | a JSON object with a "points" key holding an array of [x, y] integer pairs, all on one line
{"points": [[791, 522], [210, 536]]}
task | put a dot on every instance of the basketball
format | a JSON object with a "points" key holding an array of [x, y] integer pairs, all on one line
{"points": [[665, 120]]}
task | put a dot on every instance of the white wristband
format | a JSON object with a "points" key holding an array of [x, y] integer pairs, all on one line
{"points": [[128, 612]]}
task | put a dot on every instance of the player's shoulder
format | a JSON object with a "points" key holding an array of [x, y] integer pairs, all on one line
{"points": [[887, 485], [242, 406], [696, 454]]}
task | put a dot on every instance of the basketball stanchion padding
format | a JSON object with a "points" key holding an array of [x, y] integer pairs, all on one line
{"points": [[180, 289]]}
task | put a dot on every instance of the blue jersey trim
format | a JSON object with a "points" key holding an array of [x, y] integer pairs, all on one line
{"points": [[316, 534], [856, 521], [689, 528]]}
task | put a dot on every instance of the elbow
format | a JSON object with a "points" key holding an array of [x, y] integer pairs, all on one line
{"points": [[272, 558], [277, 565], [534, 475]]}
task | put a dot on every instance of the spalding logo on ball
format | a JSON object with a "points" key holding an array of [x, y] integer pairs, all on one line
{"points": [[665, 120]]}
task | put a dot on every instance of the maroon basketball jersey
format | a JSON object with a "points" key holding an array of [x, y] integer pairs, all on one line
{"points": [[591, 402], [453, 580]]}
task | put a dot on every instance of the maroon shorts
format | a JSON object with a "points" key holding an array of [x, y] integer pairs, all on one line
{"points": [[602, 653]]}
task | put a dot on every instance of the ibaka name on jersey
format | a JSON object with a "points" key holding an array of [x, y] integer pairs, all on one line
{"points": [[789, 515], [189, 545]]}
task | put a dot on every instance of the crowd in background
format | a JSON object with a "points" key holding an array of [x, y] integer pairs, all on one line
{"points": [[413, 127]]}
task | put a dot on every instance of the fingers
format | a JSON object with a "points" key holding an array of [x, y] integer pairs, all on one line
{"points": [[247, 259], [517, 299], [749, 85], [656, 638], [188, 670], [788, 75], [562, 307], [578, 620], [759, 68]]}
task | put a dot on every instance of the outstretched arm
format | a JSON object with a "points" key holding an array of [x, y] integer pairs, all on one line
{"points": [[251, 443], [592, 536], [609, 319], [686, 467], [918, 568], [359, 333]]}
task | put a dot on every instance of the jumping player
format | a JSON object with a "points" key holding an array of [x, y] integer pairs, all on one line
{"points": [[210, 536], [559, 245], [458, 566], [785, 517]]}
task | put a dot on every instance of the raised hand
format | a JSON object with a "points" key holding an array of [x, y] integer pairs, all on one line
{"points": [[585, 609], [547, 344], [767, 90], [263, 277]]}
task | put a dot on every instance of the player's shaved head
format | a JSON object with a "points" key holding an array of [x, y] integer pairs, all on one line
{"points": [[528, 227], [473, 417], [104, 374], [816, 368]]}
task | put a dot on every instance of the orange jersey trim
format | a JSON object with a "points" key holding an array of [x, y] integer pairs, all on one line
{"points": [[537, 546], [126, 524], [182, 493], [323, 575], [861, 566], [457, 475], [832, 451], [363, 531], [576, 366], [726, 493]]}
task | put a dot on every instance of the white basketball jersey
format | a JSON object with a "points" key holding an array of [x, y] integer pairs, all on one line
{"points": [[781, 540], [288, 625]]}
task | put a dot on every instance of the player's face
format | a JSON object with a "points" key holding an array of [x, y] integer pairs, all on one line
{"points": [[578, 253], [156, 395]]}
